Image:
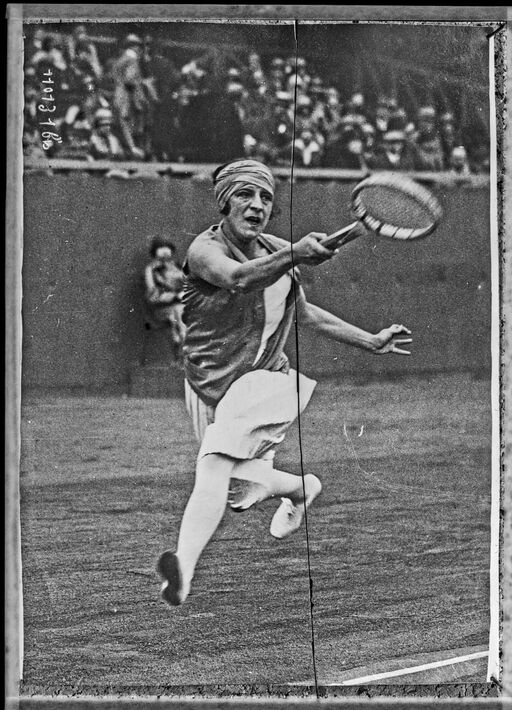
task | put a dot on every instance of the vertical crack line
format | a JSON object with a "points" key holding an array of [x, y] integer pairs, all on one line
{"points": [[299, 423]]}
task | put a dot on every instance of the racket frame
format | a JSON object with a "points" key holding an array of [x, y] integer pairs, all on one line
{"points": [[403, 186]]}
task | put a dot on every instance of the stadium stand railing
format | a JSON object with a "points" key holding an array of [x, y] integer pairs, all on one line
{"points": [[136, 168]]}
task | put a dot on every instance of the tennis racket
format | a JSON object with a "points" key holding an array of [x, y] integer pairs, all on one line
{"points": [[392, 206]]}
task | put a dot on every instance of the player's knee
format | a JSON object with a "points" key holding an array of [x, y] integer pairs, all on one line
{"points": [[215, 466]]}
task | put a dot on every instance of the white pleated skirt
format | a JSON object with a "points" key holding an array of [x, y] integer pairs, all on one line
{"points": [[253, 416]]}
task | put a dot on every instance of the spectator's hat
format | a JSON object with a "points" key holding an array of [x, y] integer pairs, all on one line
{"points": [[303, 103], [234, 88], [103, 117], [284, 97], [357, 100], [394, 136], [233, 73], [387, 101], [79, 30], [352, 119], [192, 69], [447, 117], [301, 62], [307, 134], [459, 152], [368, 129], [303, 100], [133, 40], [277, 62], [426, 113]]}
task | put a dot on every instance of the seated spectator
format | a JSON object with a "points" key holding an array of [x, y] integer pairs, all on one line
{"points": [[50, 58], [395, 152], [428, 140], [194, 114], [298, 79], [103, 144], [368, 135], [277, 76], [346, 151], [317, 85], [163, 290], [31, 100], [162, 80], [130, 102], [448, 137], [82, 53], [33, 45], [332, 111], [385, 109], [355, 107], [236, 91], [306, 150], [459, 164], [79, 119], [280, 128], [257, 75], [303, 110], [255, 114]]}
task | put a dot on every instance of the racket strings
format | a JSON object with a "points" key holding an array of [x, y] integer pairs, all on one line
{"points": [[392, 207], [395, 206]]}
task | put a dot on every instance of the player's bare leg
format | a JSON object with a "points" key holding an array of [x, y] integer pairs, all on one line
{"points": [[264, 482], [201, 518], [267, 482], [206, 507]]}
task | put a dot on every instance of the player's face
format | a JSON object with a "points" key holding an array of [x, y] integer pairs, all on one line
{"points": [[250, 208]]}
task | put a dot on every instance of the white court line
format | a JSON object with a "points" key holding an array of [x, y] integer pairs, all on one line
{"points": [[414, 669]]}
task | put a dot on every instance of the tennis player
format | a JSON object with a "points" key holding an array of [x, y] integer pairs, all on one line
{"points": [[241, 295]]}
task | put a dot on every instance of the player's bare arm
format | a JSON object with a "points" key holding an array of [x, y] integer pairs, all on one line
{"points": [[388, 340], [208, 260]]}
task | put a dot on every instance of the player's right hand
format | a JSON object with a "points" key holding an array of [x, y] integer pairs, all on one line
{"points": [[309, 250]]}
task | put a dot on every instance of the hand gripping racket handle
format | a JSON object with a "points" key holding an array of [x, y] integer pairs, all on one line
{"points": [[343, 236]]}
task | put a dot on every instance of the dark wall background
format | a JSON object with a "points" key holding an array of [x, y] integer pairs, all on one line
{"points": [[85, 245]]}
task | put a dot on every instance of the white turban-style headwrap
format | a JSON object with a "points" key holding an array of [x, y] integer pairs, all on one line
{"points": [[241, 173]]}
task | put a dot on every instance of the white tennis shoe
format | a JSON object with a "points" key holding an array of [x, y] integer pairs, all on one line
{"points": [[288, 517]]}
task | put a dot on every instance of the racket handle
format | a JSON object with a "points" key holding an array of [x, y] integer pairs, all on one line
{"points": [[342, 236]]}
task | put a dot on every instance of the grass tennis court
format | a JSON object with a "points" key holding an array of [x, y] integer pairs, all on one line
{"points": [[399, 545]]}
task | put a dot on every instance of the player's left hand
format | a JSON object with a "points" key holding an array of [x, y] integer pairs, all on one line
{"points": [[388, 340]]}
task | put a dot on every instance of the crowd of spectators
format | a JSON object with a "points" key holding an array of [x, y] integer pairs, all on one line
{"points": [[137, 104]]}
